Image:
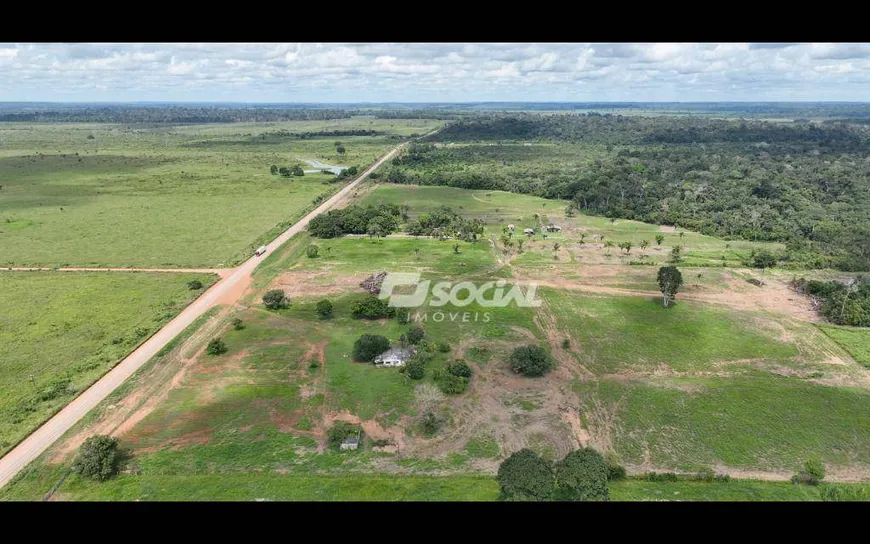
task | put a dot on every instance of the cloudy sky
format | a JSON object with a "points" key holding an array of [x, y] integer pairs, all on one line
{"points": [[433, 72]]}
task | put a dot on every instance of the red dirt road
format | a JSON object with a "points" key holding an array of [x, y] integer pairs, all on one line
{"points": [[225, 291]]}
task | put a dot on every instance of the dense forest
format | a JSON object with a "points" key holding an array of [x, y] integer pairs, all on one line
{"points": [[176, 114], [804, 184]]}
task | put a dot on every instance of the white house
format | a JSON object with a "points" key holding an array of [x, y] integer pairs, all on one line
{"points": [[554, 228], [350, 443], [528, 231], [511, 227], [395, 356]]}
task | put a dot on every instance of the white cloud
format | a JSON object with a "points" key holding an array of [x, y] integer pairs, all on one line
{"points": [[433, 72]]}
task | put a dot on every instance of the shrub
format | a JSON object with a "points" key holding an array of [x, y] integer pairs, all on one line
{"points": [[216, 347], [452, 385], [660, 477], [443, 347], [430, 423], [566, 344], [312, 252], [371, 308], [98, 458], [459, 368], [194, 285], [403, 315], [369, 346], [324, 309], [615, 471], [530, 361], [414, 335], [238, 324], [415, 369], [812, 474], [582, 476], [275, 299], [524, 476]]}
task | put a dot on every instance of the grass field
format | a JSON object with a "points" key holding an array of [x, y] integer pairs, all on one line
{"points": [[854, 340], [184, 196], [757, 420], [623, 333], [59, 331]]}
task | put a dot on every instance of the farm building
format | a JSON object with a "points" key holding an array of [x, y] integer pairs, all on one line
{"points": [[554, 228], [395, 356], [350, 443]]}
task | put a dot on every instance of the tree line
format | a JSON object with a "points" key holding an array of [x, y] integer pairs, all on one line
{"points": [[805, 185]]}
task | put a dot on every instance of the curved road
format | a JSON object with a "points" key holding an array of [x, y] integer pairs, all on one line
{"points": [[31, 447]]}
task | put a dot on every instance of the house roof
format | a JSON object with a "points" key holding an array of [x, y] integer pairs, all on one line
{"points": [[397, 353], [350, 440]]}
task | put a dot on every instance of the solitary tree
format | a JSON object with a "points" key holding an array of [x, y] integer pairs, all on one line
{"points": [[762, 260], [216, 347], [417, 252], [312, 251], [456, 248], [194, 285], [643, 245], [582, 237], [273, 170], [324, 308], [339, 149], [670, 280], [676, 255], [530, 361], [626, 246], [607, 246], [556, 246], [659, 239], [524, 476], [368, 346], [297, 170], [375, 230], [275, 299], [284, 171], [582, 476], [98, 458]]}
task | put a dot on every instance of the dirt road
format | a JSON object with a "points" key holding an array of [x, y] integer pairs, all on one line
{"points": [[223, 292]]}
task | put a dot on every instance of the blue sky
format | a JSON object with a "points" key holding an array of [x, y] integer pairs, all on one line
{"points": [[381, 72]]}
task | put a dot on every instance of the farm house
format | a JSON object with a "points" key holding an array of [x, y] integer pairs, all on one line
{"points": [[395, 356]]}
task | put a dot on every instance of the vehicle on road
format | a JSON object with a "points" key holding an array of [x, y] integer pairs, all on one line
{"points": [[260, 251]]}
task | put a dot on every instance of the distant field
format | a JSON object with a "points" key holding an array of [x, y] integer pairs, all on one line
{"points": [[59, 331], [187, 196]]}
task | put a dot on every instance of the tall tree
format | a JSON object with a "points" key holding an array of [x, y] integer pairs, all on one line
{"points": [[670, 280]]}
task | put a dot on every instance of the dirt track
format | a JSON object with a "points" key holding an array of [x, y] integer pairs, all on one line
{"points": [[230, 288]]}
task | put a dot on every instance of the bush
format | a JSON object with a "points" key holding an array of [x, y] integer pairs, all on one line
{"points": [[615, 471], [216, 347], [566, 344], [324, 309], [275, 299], [452, 385], [414, 335], [459, 368], [530, 361], [524, 476], [660, 477], [369, 346], [98, 458], [812, 474], [582, 476], [443, 347], [338, 432], [403, 315], [238, 324], [371, 308], [194, 285], [312, 252], [415, 369], [430, 423]]}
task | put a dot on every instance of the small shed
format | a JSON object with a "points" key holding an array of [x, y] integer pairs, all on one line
{"points": [[395, 356], [528, 231], [554, 228], [350, 443]]}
